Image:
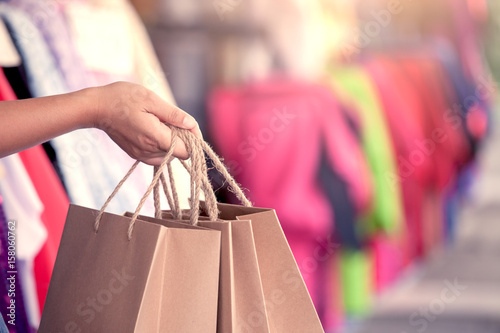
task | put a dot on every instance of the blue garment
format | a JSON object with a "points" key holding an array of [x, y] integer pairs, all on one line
{"points": [[336, 190], [464, 89]]}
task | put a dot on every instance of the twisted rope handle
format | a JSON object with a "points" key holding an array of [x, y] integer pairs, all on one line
{"points": [[172, 198], [233, 185], [112, 195], [199, 178], [210, 198], [159, 171], [199, 182], [174, 194], [156, 196]]}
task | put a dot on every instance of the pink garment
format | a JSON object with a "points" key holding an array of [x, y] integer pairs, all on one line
{"points": [[333, 314], [345, 153], [56, 203], [387, 257], [318, 262], [277, 126], [425, 75], [407, 136], [276, 142], [272, 138], [6, 92]]}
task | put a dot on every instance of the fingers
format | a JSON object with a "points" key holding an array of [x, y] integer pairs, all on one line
{"points": [[164, 137], [158, 157], [180, 150], [196, 131], [143, 133], [155, 161], [171, 114], [152, 160]]}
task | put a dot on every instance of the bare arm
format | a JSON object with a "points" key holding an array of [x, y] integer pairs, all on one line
{"points": [[130, 114]]}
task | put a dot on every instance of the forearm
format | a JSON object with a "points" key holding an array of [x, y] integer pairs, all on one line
{"points": [[29, 122], [132, 116]]}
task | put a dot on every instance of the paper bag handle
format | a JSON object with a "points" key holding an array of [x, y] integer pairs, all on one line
{"points": [[199, 180], [196, 148], [157, 175]]}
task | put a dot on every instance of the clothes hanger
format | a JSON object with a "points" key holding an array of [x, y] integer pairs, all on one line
{"points": [[9, 57]]}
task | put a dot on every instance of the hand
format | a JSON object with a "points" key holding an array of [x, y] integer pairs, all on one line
{"points": [[134, 118]]}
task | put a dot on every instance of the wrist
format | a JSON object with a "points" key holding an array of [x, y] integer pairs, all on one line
{"points": [[89, 105]]}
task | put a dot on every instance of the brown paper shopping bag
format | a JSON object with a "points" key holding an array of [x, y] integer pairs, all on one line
{"points": [[241, 297], [288, 304], [255, 256], [121, 274], [162, 280]]}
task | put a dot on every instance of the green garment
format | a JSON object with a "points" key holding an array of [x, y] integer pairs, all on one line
{"points": [[355, 88], [357, 282]]}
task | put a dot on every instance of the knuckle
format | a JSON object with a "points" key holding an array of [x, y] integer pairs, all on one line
{"points": [[139, 93]]}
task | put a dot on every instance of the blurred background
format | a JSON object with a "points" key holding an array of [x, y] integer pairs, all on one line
{"points": [[369, 125]]}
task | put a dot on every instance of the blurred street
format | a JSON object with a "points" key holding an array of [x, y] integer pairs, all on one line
{"points": [[426, 302]]}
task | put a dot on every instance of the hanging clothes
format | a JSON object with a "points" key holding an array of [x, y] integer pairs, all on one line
{"points": [[337, 193], [48, 18], [282, 138], [90, 162], [357, 283], [111, 44], [54, 200], [391, 254], [343, 172], [343, 149], [471, 99], [83, 155], [21, 322], [237, 109], [23, 205], [353, 87], [275, 153], [421, 73]]}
